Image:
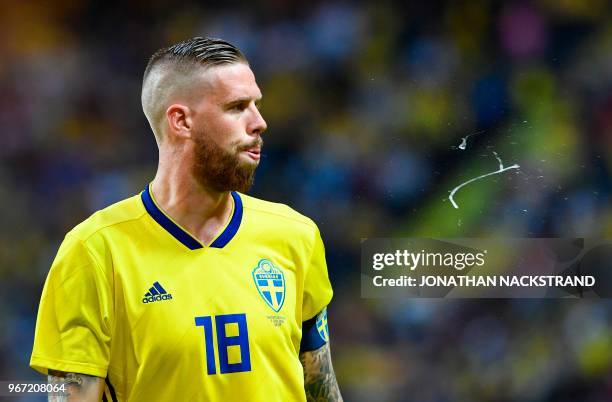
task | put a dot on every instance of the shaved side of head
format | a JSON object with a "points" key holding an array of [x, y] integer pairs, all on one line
{"points": [[166, 83], [173, 73]]}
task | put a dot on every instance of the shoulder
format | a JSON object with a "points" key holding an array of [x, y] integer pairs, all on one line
{"points": [[124, 211], [277, 213]]}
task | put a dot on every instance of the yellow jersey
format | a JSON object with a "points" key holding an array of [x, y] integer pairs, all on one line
{"points": [[133, 298]]}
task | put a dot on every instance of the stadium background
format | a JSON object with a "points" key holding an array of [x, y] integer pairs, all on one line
{"points": [[366, 103]]}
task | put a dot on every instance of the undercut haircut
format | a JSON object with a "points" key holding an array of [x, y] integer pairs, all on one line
{"points": [[171, 70]]}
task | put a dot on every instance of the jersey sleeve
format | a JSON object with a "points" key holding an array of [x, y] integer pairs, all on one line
{"points": [[317, 288], [73, 326]]}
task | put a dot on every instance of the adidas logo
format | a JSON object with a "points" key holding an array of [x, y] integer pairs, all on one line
{"points": [[156, 293]]}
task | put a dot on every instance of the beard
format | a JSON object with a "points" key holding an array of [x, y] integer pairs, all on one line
{"points": [[222, 170]]}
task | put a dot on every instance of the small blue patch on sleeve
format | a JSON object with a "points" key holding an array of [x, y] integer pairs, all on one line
{"points": [[315, 332]]}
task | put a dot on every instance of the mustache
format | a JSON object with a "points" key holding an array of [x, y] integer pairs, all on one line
{"points": [[256, 143]]}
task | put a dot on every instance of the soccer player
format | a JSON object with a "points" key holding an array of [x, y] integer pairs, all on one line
{"points": [[192, 290]]}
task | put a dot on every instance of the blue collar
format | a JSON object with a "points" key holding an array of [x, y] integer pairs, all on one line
{"points": [[183, 236]]}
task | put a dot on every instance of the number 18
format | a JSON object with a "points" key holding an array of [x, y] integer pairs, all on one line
{"points": [[224, 342]]}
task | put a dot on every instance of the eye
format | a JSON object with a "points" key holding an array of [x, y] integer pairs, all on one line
{"points": [[239, 107]]}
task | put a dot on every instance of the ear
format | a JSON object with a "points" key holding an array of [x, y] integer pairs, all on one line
{"points": [[179, 120]]}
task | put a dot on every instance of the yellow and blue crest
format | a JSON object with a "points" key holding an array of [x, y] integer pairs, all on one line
{"points": [[270, 283], [322, 326]]}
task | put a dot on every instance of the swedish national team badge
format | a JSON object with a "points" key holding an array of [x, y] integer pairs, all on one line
{"points": [[322, 326], [270, 282]]}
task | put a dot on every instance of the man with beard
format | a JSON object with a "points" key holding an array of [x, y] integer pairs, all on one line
{"points": [[191, 290]]}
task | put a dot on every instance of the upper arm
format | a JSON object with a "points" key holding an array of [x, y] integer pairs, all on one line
{"points": [[319, 378], [317, 287], [79, 387], [75, 315], [320, 382], [315, 332]]}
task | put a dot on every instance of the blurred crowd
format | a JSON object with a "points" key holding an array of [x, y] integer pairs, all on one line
{"points": [[367, 104]]}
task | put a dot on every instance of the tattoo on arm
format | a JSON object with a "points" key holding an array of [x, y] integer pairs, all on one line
{"points": [[79, 387], [319, 379]]}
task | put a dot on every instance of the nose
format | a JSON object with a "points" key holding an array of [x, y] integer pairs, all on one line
{"points": [[257, 124]]}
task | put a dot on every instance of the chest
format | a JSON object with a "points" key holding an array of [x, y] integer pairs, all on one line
{"points": [[237, 304]]}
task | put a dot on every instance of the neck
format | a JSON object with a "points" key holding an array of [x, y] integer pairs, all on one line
{"points": [[202, 211]]}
